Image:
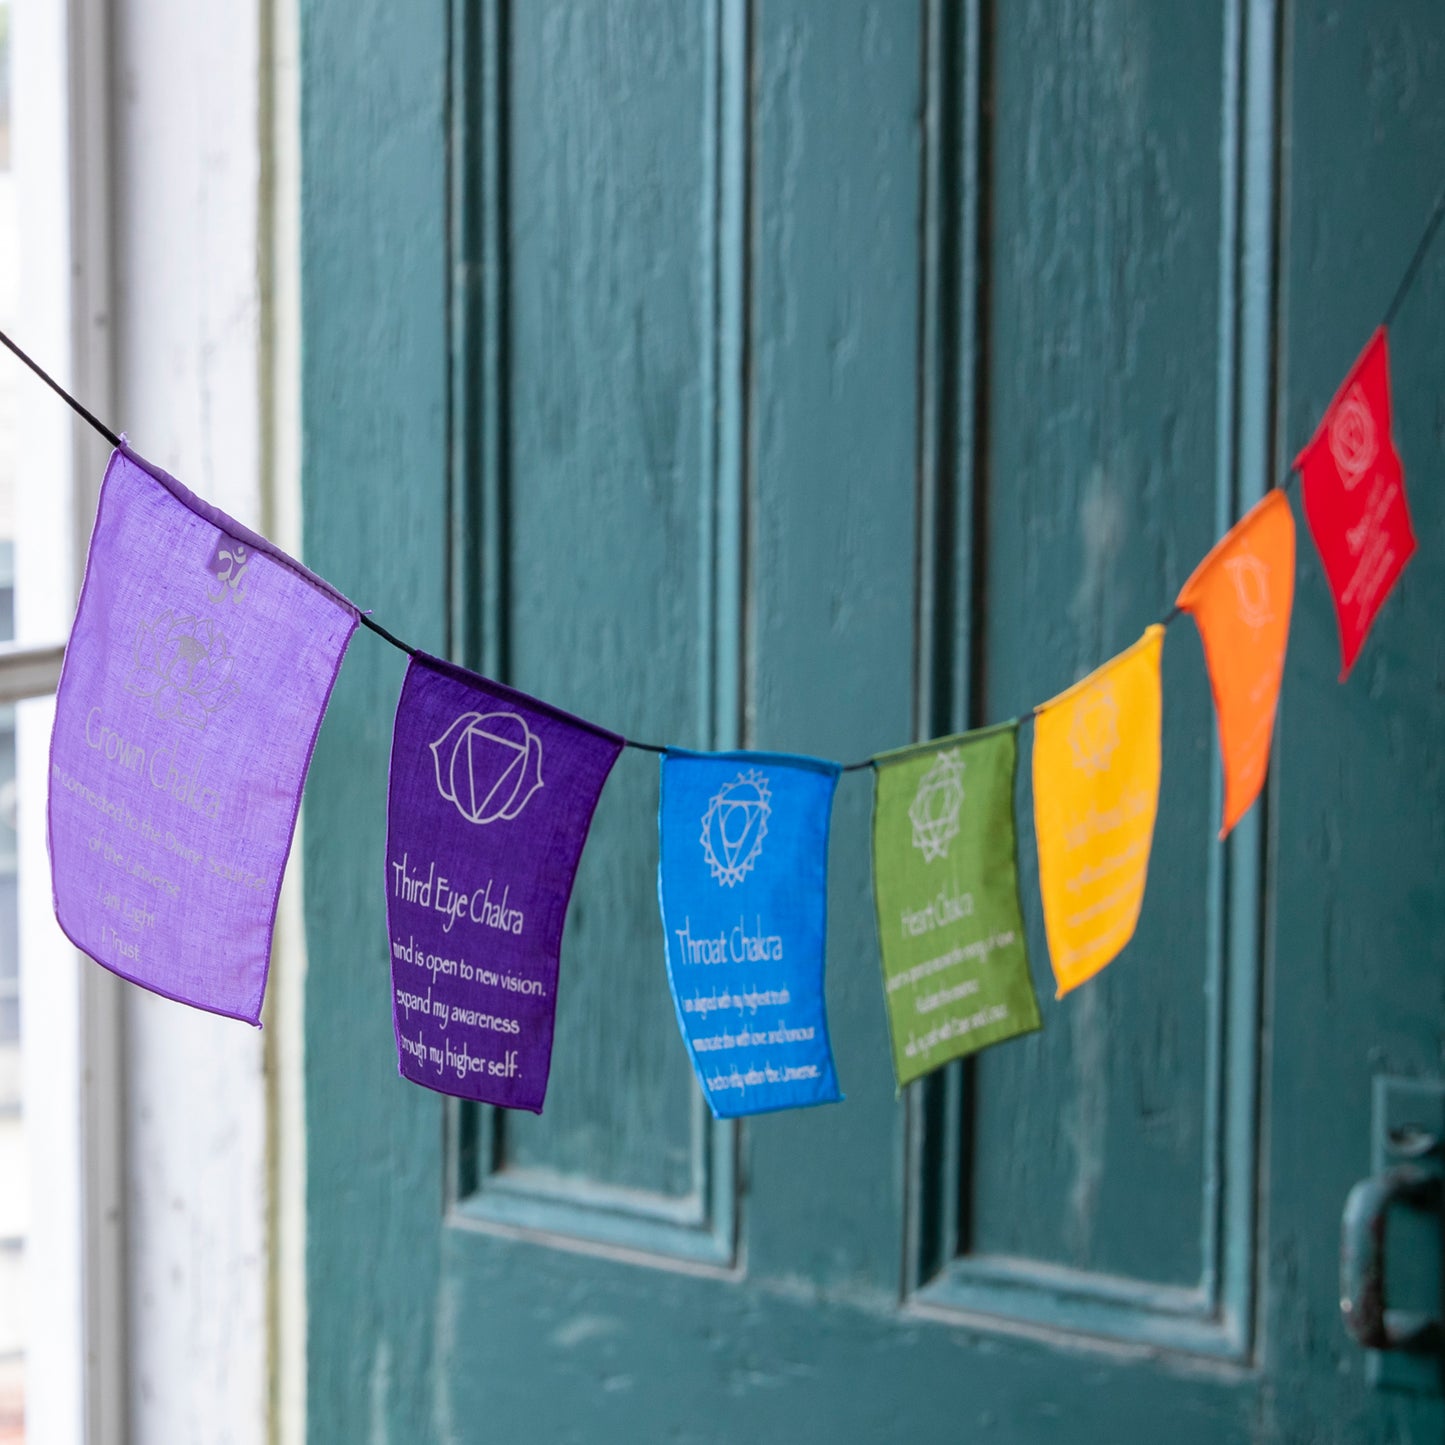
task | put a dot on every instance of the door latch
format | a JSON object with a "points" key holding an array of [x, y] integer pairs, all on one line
{"points": [[1407, 1344]]}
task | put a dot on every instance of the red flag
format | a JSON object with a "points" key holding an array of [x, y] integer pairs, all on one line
{"points": [[1354, 495]]}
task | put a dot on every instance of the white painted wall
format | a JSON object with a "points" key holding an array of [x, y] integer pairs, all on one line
{"points": [[203, 255]]}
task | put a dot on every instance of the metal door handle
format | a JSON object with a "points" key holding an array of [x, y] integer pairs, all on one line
{"points": [[1362, 1259]]}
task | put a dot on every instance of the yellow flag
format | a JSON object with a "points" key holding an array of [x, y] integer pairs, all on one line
{"points": [[1096, 791]]}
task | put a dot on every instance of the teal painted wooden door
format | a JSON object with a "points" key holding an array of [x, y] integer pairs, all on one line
{"points": [[818, 376]]}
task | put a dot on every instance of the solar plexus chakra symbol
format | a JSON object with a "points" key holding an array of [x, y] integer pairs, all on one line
{"points": [[734, 826], [488, 765], [935, 808], [1094, 732]]}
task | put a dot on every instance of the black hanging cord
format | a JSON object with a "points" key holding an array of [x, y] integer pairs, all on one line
{"points": [[1417, 260], [386, 636], [1427, 237], [61, 392]]}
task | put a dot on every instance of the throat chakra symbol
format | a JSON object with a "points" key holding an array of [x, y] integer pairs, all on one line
{"points": [[935, 807], [734, 826], [488, 764], [1094, 729]]}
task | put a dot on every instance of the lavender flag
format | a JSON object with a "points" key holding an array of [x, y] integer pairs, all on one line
{"points": [[194, 682], [492, 794]]}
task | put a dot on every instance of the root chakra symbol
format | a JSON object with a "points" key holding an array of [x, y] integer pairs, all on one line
{"points": [[1353, 442], [935, 807], [488, 765], [734, 826]]}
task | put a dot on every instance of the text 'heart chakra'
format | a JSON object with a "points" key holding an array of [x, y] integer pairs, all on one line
{"points": [[734, 826], [488, 764]]}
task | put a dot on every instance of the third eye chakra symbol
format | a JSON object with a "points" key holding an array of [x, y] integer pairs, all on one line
{"points": [[488, 764], [935, 807], [734, 826]]}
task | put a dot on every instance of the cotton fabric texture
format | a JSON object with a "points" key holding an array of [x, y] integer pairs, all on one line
{"points": [[1241, 597], [945, 889], [490, 801], [742, 879], [1354, 495], [194, 682], [1096, 793]]}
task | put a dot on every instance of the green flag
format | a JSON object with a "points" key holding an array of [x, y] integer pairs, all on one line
{"points": [[945, 885]]}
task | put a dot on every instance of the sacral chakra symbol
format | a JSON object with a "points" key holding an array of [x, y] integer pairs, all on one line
{"points": [[1251, 588]]}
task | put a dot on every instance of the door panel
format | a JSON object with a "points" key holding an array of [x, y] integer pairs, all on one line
{"points": [[1104, 435], [590, 521], [818, 377], [1105, 1177]]}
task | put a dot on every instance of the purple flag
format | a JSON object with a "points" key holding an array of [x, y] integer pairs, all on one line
{"points": [[194, 681], [492, 794]]}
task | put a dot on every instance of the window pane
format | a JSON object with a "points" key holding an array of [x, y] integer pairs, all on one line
{"points": [[14, 1163]]}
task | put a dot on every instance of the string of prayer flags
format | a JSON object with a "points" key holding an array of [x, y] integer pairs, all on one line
{"points": [[1096, 792], [490, 800], [1354, 496], [742, 880], [1240, 597], [196, 674], [945, 887]]}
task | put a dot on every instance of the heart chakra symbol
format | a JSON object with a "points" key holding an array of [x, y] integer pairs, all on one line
{"points": [[935, 807], [734, 826], [488, 764]]}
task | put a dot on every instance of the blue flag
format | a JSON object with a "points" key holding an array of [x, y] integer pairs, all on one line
{"points": [[742, 878]]}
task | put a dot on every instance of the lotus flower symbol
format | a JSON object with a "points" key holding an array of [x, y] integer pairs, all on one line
{"points": [[734, 826], [935, 807], [488, 764], [1094, 729], [182, 664]]}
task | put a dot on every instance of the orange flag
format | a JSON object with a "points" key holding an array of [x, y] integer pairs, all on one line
{"points": [[1240, 597], [1096, 791]]}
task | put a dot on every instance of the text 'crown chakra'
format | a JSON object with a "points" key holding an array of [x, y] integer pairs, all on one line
{"points": [[935, 807], [734, 826], [488, 764]]}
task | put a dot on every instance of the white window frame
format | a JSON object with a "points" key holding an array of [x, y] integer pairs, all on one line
{"points": [[71, 1021]]}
